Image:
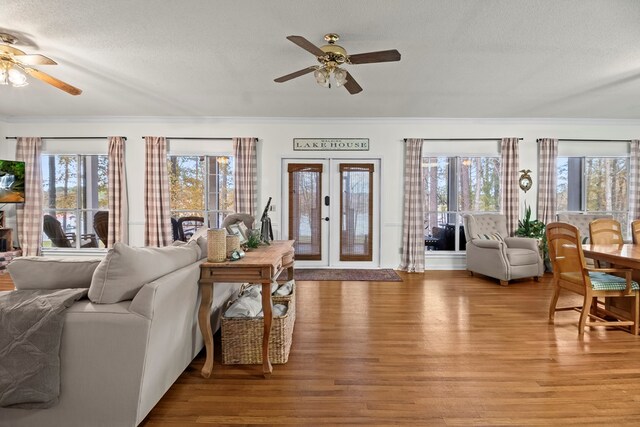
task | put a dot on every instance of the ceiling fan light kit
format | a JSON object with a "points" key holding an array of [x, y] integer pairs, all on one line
{"points": [[15, 65], [10, 75], [331, 57]]}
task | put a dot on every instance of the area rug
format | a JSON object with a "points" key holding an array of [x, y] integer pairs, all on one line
{"points": [[344, 275]]}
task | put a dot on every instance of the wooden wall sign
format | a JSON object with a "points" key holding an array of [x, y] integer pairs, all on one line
{"points": [[331, 144]]}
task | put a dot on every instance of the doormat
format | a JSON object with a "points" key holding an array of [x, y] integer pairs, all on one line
{"points": [[343, 275]]}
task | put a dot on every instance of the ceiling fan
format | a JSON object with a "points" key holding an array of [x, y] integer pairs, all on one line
{"points": [[14, 64], [331, 56]]}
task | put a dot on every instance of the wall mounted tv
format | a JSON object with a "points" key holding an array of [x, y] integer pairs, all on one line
{"points": [[11, 181]]}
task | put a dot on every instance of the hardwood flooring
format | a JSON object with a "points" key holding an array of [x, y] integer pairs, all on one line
{"points": [[441, 348]]}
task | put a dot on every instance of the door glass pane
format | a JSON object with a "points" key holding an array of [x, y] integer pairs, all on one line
{"points": [[305, 194], [356, 212]]}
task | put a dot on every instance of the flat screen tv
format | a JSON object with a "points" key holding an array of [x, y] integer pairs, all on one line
{"points": [[11, 181]]}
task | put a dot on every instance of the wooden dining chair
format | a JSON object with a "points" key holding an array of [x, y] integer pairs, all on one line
{"points": [[605, 231], [570, 273], [635, 231]]}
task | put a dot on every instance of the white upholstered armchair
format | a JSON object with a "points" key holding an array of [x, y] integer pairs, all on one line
{"points": [[491, 252]]}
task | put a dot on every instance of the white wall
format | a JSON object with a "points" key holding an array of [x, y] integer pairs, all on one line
{"points": [[276, 142]]}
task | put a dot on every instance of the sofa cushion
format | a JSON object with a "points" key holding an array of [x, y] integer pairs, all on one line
{"points": [[124, 270], [33, 272], [519, 256]]}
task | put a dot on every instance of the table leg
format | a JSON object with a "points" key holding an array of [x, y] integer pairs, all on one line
{"points": [[204, 321], [268, 316], [290, 273]]}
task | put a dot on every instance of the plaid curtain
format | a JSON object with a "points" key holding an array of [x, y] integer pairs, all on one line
{"points": [[509, 182], [117, 193], [246, 175], [634, 180], [547, 179], [412, 259], [30, 213], [157, 227]]}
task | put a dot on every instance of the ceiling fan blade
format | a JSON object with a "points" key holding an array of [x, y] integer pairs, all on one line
{"points": [[294, 75], [53, 81], [352, 85], [34, 59], [369, 57], [10, 49], [306, 45]]}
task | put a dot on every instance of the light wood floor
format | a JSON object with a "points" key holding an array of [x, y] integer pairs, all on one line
{"points": [[441, 348]]}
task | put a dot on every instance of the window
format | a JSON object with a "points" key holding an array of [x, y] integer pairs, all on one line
{"points": [[595, 185], [453, 186], [201, 186], [74, 190]]}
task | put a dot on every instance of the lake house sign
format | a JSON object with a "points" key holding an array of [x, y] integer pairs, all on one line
{"points": [[331, 144]]}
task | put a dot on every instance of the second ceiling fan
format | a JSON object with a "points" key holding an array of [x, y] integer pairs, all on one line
{"points": [[331, 57]]}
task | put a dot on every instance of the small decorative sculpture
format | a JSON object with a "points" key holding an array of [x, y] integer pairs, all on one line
{"points": [[525, 180], [266, 231]]}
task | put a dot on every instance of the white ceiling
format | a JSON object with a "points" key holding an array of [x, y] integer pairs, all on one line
{"points": [[460, 58]]}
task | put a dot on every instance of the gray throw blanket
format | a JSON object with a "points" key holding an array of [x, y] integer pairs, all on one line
{"points": [[30, 331]]}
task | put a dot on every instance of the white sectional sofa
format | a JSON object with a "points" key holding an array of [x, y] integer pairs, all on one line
{"points": [[119, 358]]}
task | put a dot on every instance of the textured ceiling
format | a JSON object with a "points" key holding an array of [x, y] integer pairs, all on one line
{"points": [[460, 58]]}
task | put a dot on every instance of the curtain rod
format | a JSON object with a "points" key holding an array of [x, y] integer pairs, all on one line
{"points": [[196, 138], [594, 140], [68, 137], [462, 139]]}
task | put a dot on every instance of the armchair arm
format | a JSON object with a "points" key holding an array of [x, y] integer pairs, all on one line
{"points": [[522, 243], [627, 275]]}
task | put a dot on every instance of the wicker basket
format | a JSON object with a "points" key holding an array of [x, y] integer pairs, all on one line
{"points": [[242, 337], [288, 300]]}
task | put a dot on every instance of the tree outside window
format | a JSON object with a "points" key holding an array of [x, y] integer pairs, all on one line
{"points": [[201, 186], [74, 189], [594, 185], [455, 186]]}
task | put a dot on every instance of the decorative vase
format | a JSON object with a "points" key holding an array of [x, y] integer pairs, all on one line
{"points": [[233, 243], [216, 245]]}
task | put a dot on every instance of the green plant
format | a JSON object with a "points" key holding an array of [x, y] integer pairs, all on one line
{"points": [[533, 228], [253, 239]]}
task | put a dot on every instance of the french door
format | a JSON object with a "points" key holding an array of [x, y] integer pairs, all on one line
{"points": [[331, 210]]}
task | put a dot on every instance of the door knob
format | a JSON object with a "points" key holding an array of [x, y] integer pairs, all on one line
{"points": [[326, 218]]}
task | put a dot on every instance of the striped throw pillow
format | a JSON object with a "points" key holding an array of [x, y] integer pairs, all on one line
{"points": [[492, 236]]}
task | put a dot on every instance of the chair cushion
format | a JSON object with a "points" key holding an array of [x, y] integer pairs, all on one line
{"points": [[518, 256], [608, 282], [490, 236]]}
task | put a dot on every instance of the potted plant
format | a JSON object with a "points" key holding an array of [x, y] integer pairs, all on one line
{"points": [[534, 228]]}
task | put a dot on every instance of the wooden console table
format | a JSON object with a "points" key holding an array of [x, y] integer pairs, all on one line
{"points": [[260, 265]]}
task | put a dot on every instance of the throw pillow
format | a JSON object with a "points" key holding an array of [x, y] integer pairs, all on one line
{"points": [[125, 270], [492, 236], [34, 272], [200, 237]]}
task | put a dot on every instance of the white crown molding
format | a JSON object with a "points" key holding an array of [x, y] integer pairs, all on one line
{"points": [[318, 120]]}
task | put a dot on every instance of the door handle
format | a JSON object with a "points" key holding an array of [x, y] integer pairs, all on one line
{"points": [[326, 218], [326, 200]]}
